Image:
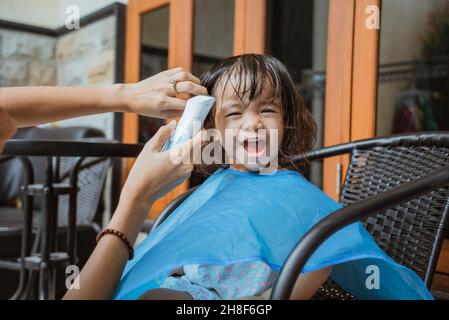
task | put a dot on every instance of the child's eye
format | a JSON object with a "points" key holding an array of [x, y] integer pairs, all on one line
{"points": [[233, 114], [269, 110]]}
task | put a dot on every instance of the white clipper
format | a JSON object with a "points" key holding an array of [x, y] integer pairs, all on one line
{"points": [[192, 120]]}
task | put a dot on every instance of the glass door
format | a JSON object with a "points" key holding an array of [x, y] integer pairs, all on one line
{"points": [[213, 33], [192, 34], [153, 59], [212, 41], [158, 37], [408, 81], [413, 85], [296, 33], [413, 80]]}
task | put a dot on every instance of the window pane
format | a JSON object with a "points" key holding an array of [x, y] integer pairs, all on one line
{"points": [[212, 41], [297, 35], [213, 33], [154, 53], [413, 67]]}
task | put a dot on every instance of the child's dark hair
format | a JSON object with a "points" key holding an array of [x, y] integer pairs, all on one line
{"points": [[254, 73]]}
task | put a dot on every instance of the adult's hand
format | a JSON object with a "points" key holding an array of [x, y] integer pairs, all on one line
{"points": [[155, 170], [156, 96], [152, 173]]}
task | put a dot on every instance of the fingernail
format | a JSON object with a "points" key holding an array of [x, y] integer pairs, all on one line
{"points": [[172, 123]]}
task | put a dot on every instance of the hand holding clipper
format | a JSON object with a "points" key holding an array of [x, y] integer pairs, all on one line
{"points": [[192, 120]]}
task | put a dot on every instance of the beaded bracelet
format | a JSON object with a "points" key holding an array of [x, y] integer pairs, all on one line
{"points": [[122, 236]]}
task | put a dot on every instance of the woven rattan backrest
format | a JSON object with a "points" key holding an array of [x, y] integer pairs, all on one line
{"points": [[412, 232], [91, 181]]}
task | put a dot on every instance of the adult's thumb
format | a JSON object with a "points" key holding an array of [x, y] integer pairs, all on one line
{"points": [[162, 135]]}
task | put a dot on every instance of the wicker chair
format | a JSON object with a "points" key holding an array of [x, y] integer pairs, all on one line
{"points": [[79, 183], [408, 225]]}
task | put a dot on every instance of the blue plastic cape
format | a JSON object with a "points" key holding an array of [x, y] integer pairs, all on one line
{"points": [[239, 216]]}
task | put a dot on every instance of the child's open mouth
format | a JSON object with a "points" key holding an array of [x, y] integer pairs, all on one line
{"points": [[254, 146]]}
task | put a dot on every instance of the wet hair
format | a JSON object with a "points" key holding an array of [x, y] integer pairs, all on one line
{"points": [[254, 73]]}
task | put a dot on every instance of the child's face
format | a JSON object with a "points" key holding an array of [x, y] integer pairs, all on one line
{"points": [[255, 128]]}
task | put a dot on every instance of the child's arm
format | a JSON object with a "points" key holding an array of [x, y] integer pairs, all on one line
{"points": [[308, 283]]}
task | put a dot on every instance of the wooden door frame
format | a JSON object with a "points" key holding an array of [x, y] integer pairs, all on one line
{"points": [[249, 36], [351, 88], [365, 73], [351, 73], [249, 26], [179, 45], [136, 8], [351, 83], [179, 55]]}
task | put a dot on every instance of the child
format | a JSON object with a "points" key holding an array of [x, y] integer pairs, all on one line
{"points": [[254, 94], [231, 236]]}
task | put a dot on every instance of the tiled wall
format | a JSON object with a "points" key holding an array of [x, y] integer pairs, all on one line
{"points": [[87, 57], [27, 59], [84, 57]]}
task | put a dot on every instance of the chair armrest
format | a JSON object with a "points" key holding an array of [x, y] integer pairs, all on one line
{"points": [[5, 158], [345, 216], [147, 226], [90, 147], [434, 138]]}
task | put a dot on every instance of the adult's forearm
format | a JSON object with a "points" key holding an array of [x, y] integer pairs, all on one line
{"points": [[101, 274], [30, 106], [152, 172], [152, 97]]}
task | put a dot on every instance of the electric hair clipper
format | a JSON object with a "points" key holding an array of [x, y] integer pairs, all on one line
{"points": [[192, 120]]}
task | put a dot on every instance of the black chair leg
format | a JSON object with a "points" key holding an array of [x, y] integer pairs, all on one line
{"points": [[27, 228], [46, 230], [73, 198]]}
